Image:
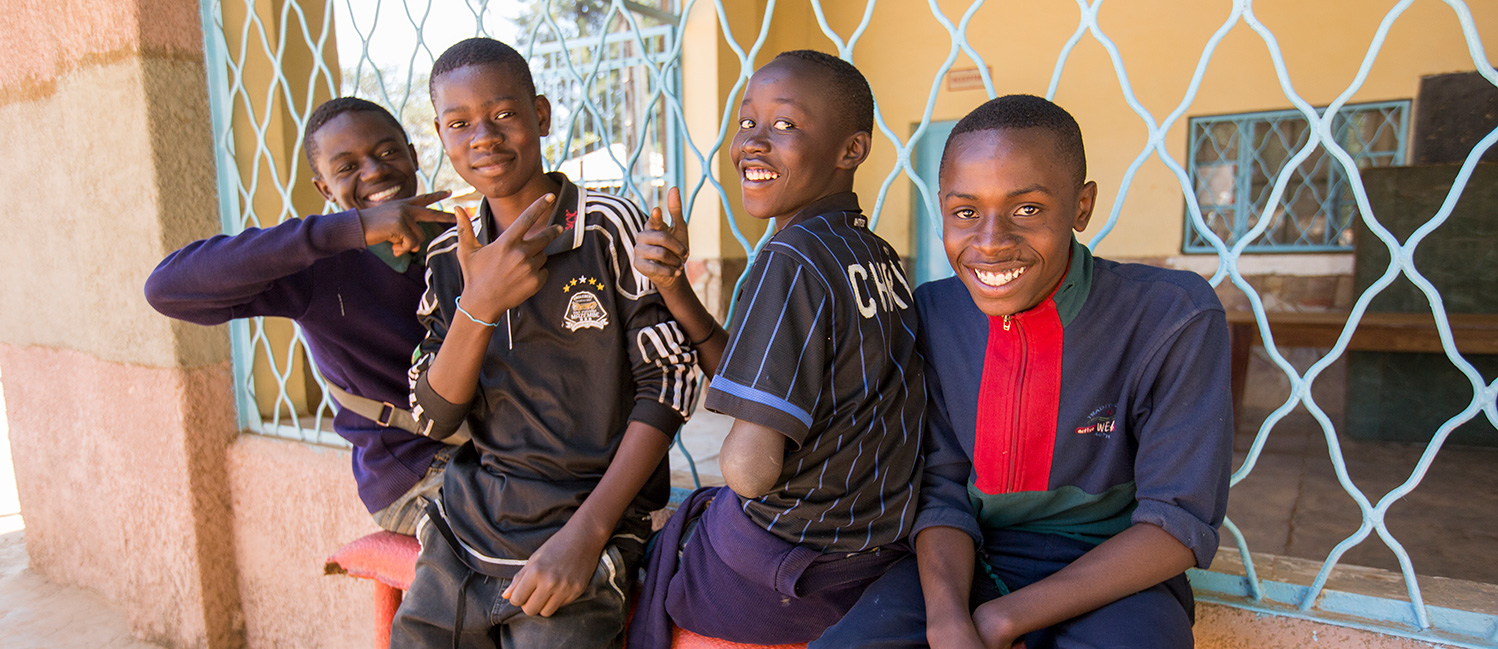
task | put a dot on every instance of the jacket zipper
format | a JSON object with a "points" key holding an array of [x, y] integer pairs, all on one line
{"points": [[1019, 392]]}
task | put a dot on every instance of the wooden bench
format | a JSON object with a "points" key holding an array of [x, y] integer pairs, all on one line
{"points": [[1381, 332]]}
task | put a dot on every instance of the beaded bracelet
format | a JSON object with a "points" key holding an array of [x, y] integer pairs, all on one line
{"points": [[458, 302]]}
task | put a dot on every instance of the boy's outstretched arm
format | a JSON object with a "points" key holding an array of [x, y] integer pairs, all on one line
{"points": [[1133, 560], [558, 572], [266, 272], [661, 253]]}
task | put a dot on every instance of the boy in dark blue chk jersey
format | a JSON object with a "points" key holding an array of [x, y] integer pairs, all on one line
{"points": [[1080, 422], [566, 365], [821, 375], [352, 280]]}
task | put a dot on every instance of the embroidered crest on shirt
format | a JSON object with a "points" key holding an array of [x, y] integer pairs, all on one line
{"points": [[1101, 421], [583, 308]]}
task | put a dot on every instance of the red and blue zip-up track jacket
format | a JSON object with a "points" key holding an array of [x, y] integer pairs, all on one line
{"points": [[1104, 406]]}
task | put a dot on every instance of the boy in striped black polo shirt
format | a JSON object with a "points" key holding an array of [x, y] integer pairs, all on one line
{"points": [[821, 374], [568, 368]]}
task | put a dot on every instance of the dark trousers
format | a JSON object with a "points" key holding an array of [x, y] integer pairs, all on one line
{"points": [[431, 614], [892, 612]]}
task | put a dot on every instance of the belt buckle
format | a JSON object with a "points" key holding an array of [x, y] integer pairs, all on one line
{"points": [[387, 413]]}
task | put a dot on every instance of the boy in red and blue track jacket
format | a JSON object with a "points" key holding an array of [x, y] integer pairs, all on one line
{"points": [[1080, 426]]}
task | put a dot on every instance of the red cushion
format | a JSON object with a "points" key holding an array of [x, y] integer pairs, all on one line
{"points": [[683, 639], [386, 557], [390, 559]]}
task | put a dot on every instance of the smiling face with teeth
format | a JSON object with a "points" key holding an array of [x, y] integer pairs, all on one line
{"points": [[1010, 201], [362, 159], [793, 147]]}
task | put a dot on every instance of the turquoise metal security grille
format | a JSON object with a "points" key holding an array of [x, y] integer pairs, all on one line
{"points": [[618, 73]]}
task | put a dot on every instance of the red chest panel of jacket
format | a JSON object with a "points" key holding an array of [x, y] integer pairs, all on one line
{"points": [[1018, 401]]}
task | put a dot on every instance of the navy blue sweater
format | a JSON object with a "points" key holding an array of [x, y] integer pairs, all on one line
{"points": [[357, 314]]}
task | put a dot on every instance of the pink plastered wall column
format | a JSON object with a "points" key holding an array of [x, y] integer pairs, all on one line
{"points": [[120, 420]]}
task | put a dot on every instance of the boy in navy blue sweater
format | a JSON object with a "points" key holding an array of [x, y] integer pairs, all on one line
{"points": [[1080, 420], [351, 280]]}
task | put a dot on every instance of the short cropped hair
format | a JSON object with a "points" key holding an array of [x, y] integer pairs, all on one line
{"points": [[332, 108], [482, 51], [850, 90], [1026, 111]]}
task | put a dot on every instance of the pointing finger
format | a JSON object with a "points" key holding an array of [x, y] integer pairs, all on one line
{"points": [[428, 199], [537, 243], [425, 215], [466, 239], [528, 218]]}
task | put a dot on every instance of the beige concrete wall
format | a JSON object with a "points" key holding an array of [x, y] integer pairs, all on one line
{"points": [[119, 419], [294, 505]]}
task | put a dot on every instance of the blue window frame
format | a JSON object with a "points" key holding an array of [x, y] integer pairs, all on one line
{"points": [[1234, 161]]}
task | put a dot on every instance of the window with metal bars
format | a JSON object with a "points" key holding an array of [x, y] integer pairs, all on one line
{"points": [[1235, 161]]}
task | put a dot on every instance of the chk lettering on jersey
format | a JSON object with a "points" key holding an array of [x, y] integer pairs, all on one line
{"points": [[874, 288]]}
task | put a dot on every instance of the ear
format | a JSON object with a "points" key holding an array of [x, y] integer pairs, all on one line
{"points": [[543, 115], [322, 188], [1086, 200], [855, 150], [415, 159]]}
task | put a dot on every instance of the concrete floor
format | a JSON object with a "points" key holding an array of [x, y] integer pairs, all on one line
{"points": [[1291, 504]]}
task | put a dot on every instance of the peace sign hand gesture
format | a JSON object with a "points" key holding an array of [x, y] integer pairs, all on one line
{"points": [[399, 222], [507, 271]]}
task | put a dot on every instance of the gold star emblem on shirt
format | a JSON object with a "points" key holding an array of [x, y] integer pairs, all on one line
{"points": [[583, 280]]}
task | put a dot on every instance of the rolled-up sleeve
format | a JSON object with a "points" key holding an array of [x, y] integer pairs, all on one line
{"points": [[1186, 436]]}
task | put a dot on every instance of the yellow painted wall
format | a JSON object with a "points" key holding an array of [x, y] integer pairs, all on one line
{"points": [[1160, 42]]}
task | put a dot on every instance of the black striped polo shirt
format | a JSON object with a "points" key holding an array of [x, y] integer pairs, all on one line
{"points": [[823, 350]]}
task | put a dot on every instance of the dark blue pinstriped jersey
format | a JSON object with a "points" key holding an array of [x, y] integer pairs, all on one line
{"points": [[823, 349]]}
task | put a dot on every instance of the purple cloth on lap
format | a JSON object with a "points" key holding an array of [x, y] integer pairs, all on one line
{"points": [[735, 581]]}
